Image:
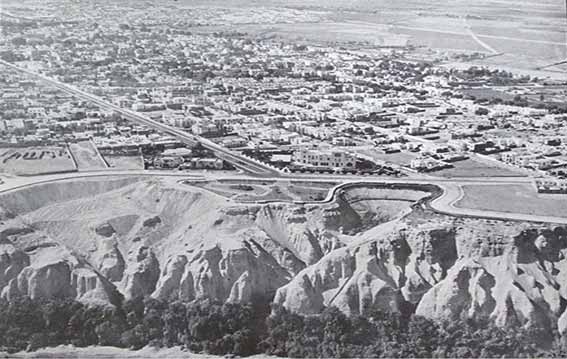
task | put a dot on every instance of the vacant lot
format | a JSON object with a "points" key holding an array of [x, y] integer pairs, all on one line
{"points": [[403, 158], [36, 160], [87, 156], [274, 193], [439, 40], [289, 191], [375, 193], [258, 190], [473, 167], [339, 31], [309, 193], [125, 162], [487, 94], [512, 199]]}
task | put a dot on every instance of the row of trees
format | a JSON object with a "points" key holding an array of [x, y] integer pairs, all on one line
{"points": [[246, 329]]}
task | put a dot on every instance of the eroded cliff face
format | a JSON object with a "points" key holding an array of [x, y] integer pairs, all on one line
{"points": [[368, 249], [513, 280], [127, 238], [387, 266], [512, 274]]}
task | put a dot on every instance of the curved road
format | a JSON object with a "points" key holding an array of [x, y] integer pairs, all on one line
{"points": [[445, 204]]}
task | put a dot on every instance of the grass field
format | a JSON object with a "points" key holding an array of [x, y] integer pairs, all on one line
{"points": [[476, 168], [87, 156], [36, 160], [513, 199]]}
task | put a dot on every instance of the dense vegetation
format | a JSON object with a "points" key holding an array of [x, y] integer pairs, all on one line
{"points": [[248, 329]]}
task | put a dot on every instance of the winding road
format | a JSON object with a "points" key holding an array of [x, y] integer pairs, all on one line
{"points": [[451, 188], [445, 203]]}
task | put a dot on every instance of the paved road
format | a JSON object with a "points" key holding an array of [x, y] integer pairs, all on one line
{"points": [[446, 203], [238, 160], [451, 187]]}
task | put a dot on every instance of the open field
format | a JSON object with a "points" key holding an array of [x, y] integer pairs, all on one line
{"points": [[125, 162], [439, 40], [473, 167], [381, 210], [328, 32], [398, 158], [36, 160], [311, 193], [363, 193], [512, 199], [229, 190], [487, 93], [274, 193], [87, 156], [527, 34], [258, 190]]}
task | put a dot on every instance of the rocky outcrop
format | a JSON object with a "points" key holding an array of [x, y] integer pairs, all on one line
{"points": [[50, 281], [109, 260], [236, 275], [12, 262], [176, 282], [47, 271], [516, 278], [353, 280], [398, 266], [518, 281], [142, 273], [431, 254]]}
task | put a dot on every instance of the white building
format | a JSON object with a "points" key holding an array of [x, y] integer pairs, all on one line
{"points": [[325, 158]]}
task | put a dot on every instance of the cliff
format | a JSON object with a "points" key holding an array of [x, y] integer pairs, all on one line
{"points": [[103, 241]]}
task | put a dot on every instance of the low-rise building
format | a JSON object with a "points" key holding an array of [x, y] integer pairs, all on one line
{"points": [[325, 158]]}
